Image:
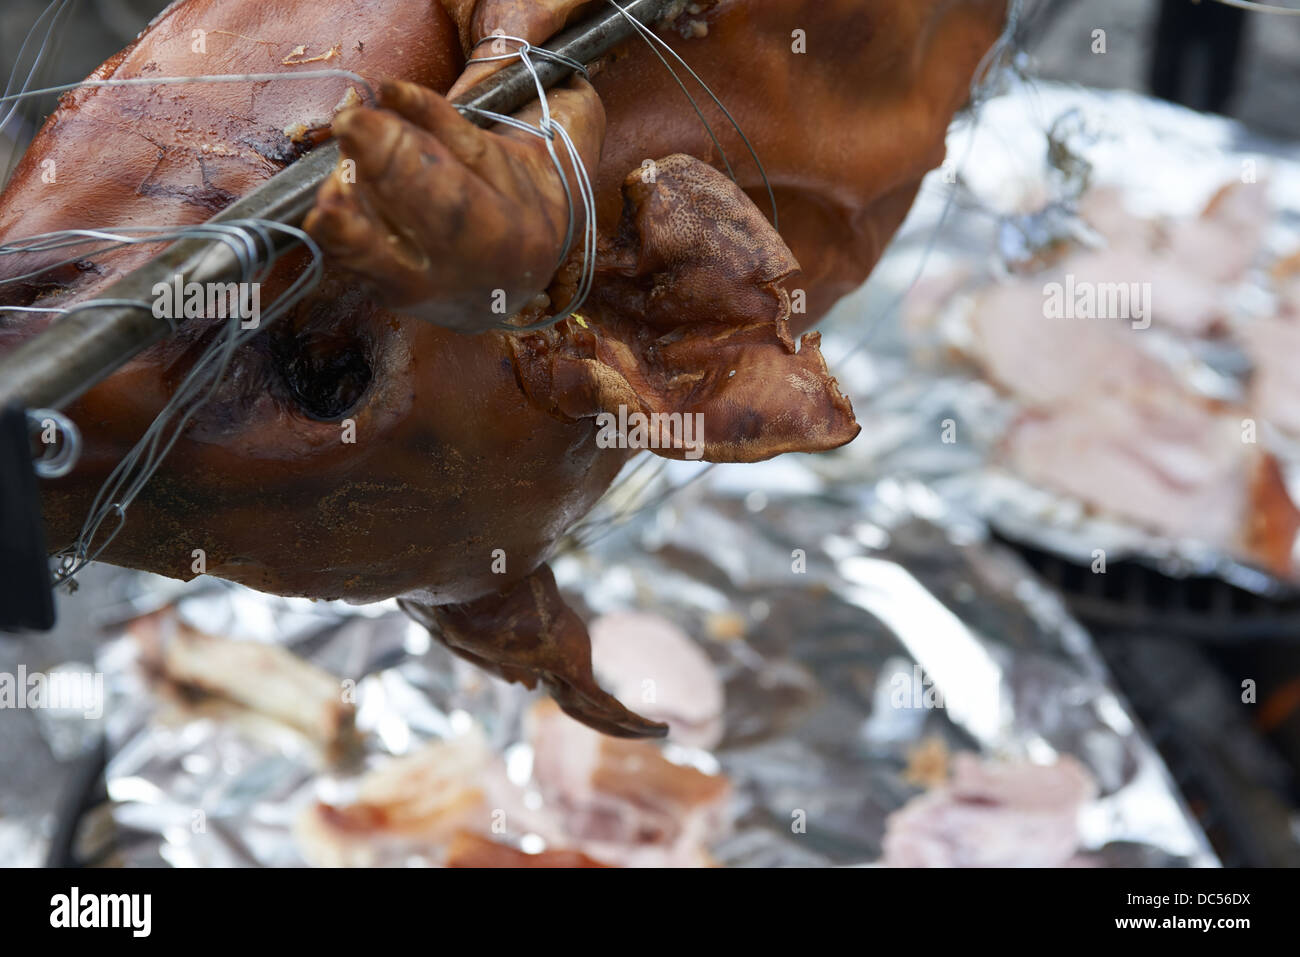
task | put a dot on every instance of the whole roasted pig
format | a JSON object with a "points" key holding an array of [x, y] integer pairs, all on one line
{"points": [[363, 448]]}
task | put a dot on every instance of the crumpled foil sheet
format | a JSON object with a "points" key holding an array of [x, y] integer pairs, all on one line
{"points": [[893, 579], [1013, 202], [900, 572]]}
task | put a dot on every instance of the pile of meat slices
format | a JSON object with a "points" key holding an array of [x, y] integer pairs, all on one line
{"points": [[588, 800], [579, 798], [1108, 413]]}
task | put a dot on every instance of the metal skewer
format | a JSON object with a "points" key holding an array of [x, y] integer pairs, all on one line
{"points": [[83, 348]]}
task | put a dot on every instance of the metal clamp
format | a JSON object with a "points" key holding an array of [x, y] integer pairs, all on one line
{"points": [[58, 458]]}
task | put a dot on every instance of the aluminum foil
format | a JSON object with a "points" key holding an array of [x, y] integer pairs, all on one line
{"points": [[1006, 193], [893, 579]]}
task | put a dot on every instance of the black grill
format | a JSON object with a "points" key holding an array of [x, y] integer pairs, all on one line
{"points": [[1179, 650]]}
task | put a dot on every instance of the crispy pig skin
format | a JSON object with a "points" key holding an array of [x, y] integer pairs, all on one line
{"points": [[265, 678]]}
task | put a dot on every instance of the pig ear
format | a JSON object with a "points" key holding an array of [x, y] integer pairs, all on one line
{"points": [[528, 634], [688, 317]]}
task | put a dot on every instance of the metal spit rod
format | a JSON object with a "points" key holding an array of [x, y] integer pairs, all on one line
{"points": [[83, 348]]}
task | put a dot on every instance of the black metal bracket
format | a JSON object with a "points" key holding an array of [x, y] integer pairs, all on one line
{"points": [[26, 594]]}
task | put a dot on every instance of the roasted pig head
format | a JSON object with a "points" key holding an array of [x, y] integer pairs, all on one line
{"points": [[375, 442]]}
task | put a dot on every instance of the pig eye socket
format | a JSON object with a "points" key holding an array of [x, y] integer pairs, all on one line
{"points": [[326, 376]]}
